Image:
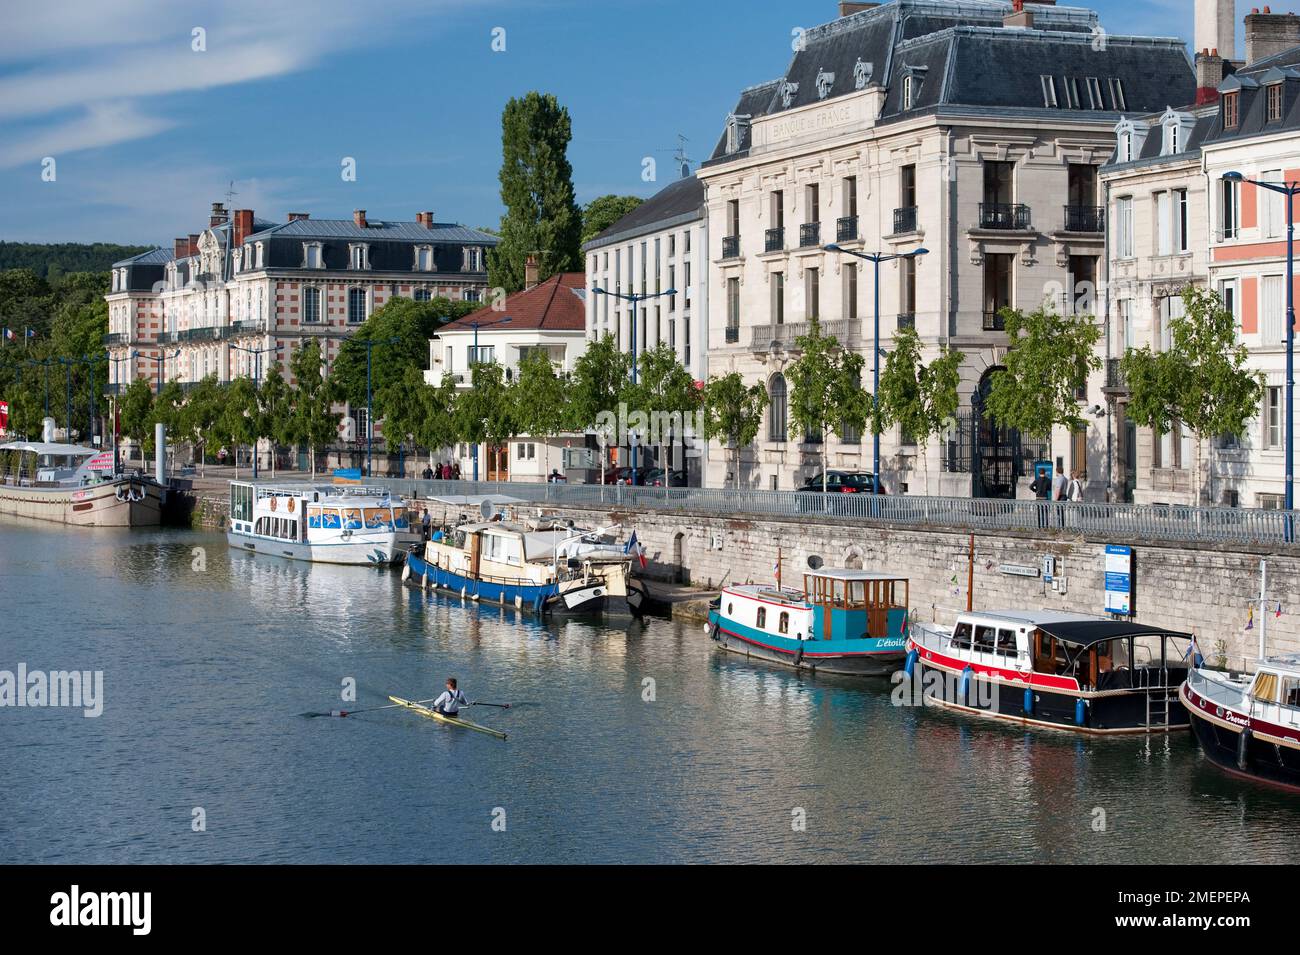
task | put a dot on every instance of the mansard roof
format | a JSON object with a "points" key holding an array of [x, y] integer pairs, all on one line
{"points": [[378, 230], [680, 201]]}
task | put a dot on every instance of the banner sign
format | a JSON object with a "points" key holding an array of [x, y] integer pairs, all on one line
{"points": [[1119, 579]]}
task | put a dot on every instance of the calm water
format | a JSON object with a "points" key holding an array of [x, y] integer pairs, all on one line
{"points": [[207, 675]]}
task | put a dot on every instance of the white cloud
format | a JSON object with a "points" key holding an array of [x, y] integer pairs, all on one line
{"points": [[100, 125]]}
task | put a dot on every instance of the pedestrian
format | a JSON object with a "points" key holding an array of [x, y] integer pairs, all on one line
{"points": [[425, 522], [428, 473], [1060, 487], [455, 471], [1042, 487], [1075, 490]]}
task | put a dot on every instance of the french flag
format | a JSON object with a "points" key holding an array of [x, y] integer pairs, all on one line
{"points": [[634, 548], [9, 335]]}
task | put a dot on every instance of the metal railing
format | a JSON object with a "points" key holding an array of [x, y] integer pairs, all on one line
{"points": [[1122, 522], [1085, 219], [731, 246], [774, 240], [906, 320], [904, 220], [847, 331], [994, 322], [1004, 215], [846, 229], [731, 334], [810, 234]]}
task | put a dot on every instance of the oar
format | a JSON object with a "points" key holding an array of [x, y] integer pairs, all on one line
{"points": [[369, 709], [503, 706]]}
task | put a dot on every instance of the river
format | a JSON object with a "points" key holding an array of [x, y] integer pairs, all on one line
{"points": [[638, 743]]}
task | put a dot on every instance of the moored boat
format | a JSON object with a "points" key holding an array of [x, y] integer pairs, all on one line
{"points": [[1052, 669], [543, 568], [852, 622], [73, 484], [328, 524], [1249, 724]]}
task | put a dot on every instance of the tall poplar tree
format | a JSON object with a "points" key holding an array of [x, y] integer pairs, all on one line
{"points": [[542, 215]]}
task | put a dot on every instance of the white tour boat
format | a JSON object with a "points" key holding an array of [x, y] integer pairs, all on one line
{"points": [[330, 524]]}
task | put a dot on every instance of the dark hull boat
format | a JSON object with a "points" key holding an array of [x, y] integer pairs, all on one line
{"points": [[1249, 725]]}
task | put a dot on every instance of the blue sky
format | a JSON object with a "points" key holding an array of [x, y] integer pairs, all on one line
{"points": [[146, 132]]}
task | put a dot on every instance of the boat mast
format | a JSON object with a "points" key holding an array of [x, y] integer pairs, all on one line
{"points": [[778, 565], [1263, 608]]}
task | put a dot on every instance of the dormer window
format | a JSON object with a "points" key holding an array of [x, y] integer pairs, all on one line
{"points": [[737, 132], [424, 258], [358, 256], [1125, 152], [1117, 95], [1049, 91], [1094, 93], [1231, 107], [1273, 94], [261, 252], [1169, 145], [311, 256], [911, 89]]}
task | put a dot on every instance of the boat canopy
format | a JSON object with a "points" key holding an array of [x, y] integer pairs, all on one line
{"points": [[1088, 633], [53, 450]]}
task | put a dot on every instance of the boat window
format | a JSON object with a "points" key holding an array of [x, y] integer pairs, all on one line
{"points": [[330, 519], [1291, 690], [399, 517], [1265, 687], [730, 608], [313, 516], [1007, 642], [783, 622], [985, 638], [961, 636], [761, 618], [352, 518], [1146, 650], [379, 518], [857, 593]]}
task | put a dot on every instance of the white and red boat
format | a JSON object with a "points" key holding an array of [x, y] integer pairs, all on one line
{"points": [[72, 484], [1051, 669]]}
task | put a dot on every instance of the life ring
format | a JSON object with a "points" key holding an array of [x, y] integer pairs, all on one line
{"points": [[273, 503], [290, 505]]}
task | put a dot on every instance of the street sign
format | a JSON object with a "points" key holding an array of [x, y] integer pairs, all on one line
{"points": [[1119, 579]]}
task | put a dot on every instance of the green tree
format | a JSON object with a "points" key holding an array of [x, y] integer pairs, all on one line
{"points": [[539, 397], [1047, 363], [238, 421], [276, 419], [483, 412], [921, 399], [598, 382], [826, 394], [317, 422], [199, 416], [137, 415], [601, 213], [733, 412], [1201, 380], [541, 215], [666, 392]]}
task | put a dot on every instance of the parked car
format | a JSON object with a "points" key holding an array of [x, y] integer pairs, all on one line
{"points": [[623, 475], [837, 482], [655, 478]]}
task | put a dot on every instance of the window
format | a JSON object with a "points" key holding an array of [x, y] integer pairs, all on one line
{"points": [[310, 305], [422, 295], [1094, 93], [1006, 642], [471, 295], [1125, 151], [850, 196], [910, 90], [1273, 418], [733, 217], [851, 288], [1274, 101], [777, 422], [1072, 93], [311, 255], [1171, 309], [1231, 105], [985, 638], [1180, 221], [733, 309], [960, 639], [1169, 144], [1117, 95], [1127, 332], [1228, 195], [812, 293], [997, 286], [1164, 238], [424, 258], [1272, 325], [1228, 295], [776, 209], [778, 298], [907, 293], [485, 355], [998, 182], [1272, 206], [760, 619], [812, 197], [260, 250], [356, 306], [1049, 91], [783, 622]]}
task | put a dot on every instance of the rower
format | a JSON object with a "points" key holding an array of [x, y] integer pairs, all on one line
{"points": [[451, 700]]}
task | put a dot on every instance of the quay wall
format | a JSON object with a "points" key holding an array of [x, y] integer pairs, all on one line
{"points": [[1207, 590]]}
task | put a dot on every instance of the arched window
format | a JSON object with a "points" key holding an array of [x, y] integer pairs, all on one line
{"points": [[777, 420], [761, 619], [783, 622], [310, 305], [356, 306]]}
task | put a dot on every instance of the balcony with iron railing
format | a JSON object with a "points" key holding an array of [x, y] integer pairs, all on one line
{"points": [[117, 338], [731, 334], [810, 234], [904, 220], [237, 329], [1085, 219], [731, 246], [847, 331], [846, 229], [1004, 215], [994, 322], [1116, 383], [774, 240]]}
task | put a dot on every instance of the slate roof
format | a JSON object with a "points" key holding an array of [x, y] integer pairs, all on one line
{"points": [[1250, 82], [968, 62], [378, 230], [680, 201], [152, 257], [1205, 120], [557, 304]]}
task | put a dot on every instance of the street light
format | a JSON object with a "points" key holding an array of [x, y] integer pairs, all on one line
{"points": [[257, 354], [1290, 190], [505, 320], [47, 362], [633, 299], [161, 360], [876, 258], [112, 403], [369, 344]]}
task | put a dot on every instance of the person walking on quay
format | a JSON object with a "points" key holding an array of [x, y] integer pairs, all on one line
{"points": [[1074, 492], [427, 474], [1060, 488], [455, 471], [451, 700], [1042, 488], [425, 522]]}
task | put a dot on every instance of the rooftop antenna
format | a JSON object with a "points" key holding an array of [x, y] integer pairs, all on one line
{"points": [[230, 196], [680, 157]]}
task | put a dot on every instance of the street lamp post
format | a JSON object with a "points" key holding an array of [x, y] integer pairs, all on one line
{"points": [[369, 345], [257, 354], [505, 320], [634, 299], [875, 258], [112, 404], [1290, 190]]}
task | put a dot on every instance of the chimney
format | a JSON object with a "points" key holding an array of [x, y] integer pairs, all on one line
{"points": [[359, 217], [1215, 27], [194, 244], [295, 216], [1268, 33], [219, 216], [1211, 70], [847, 8], [530, 271], [243, 225], [425, 219], [1019, 18], [181, 247]]}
